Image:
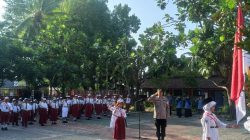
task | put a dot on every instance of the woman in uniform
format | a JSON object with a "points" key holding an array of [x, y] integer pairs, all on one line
{"points": [[210, 123]]}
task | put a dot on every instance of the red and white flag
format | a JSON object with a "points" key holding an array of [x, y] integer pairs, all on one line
{"points": [[238, 80]]}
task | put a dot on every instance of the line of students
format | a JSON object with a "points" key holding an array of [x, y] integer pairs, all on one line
{"points": [[27, 110]]}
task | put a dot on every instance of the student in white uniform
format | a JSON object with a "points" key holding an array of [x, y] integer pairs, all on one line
{"points": [[210, 123], [5, 114], [15, 112], [65, 110], [118, 120], [26, 109], [43, 112]]}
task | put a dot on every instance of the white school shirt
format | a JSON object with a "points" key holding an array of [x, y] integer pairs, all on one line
{"points": [[43, 105], [5, 107], [54, 105], [116, 112], [65, 104], [80, 101], [89, 101], [69, 102], [16, 108], [34, 106], [98, 101], [75, 101], [26, 106]]}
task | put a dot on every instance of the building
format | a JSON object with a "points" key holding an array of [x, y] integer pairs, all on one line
{"points": [[193, 87], [13, 88]]}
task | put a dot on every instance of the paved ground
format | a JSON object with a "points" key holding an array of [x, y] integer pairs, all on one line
{"points": [[178, 129]]}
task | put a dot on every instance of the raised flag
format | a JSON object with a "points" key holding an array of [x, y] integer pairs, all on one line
{"points": [[237, 85]]}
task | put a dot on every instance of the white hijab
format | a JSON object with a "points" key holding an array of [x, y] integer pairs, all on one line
{"points": [[208, 106]]}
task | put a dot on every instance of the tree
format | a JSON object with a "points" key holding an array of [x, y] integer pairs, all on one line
{"points": [[213, 39], [26, 17], [159, 49]]}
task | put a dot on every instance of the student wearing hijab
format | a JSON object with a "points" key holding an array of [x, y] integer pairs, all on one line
{"points": [[210, 123], [118, 122]]}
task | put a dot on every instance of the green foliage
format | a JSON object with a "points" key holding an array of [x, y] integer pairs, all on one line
{"points": [[69, 44]]}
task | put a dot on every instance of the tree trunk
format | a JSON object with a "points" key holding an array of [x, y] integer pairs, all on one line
{"points": [[230, 103]]}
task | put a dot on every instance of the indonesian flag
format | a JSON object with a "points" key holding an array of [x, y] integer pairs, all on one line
{"points": [[237, 85]]}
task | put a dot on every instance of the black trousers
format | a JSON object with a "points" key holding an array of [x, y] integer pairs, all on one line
{"points": [[188, 113], [179, 112], [170, 109], [160, 127]]}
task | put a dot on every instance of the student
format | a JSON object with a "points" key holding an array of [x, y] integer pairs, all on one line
{"points": [[210, 123], [188, 107], [179, 104], [118, 120]]}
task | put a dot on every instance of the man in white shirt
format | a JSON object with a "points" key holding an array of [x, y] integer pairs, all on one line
{"points": [[5, 115]]}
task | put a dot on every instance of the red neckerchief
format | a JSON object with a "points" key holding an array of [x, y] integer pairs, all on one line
{"points": [[210, 115]]}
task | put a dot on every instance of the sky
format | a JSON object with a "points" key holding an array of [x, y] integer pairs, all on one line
{"points": [[149, 13], [2, 4], [146, 10]]}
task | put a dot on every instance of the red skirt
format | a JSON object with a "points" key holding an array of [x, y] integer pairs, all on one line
{"points": [[98, 109], [43, 116], [54, 113], [119, 130], [88, 110], [74, 110], [104, 107], [5, 117]]}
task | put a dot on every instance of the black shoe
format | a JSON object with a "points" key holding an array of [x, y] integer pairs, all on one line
{"points": [[31, 123], [5, 128], [17, 124], [2, 128], [42, 124]]}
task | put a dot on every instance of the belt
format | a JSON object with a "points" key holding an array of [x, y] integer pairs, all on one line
{"points": [[213, 126]]}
